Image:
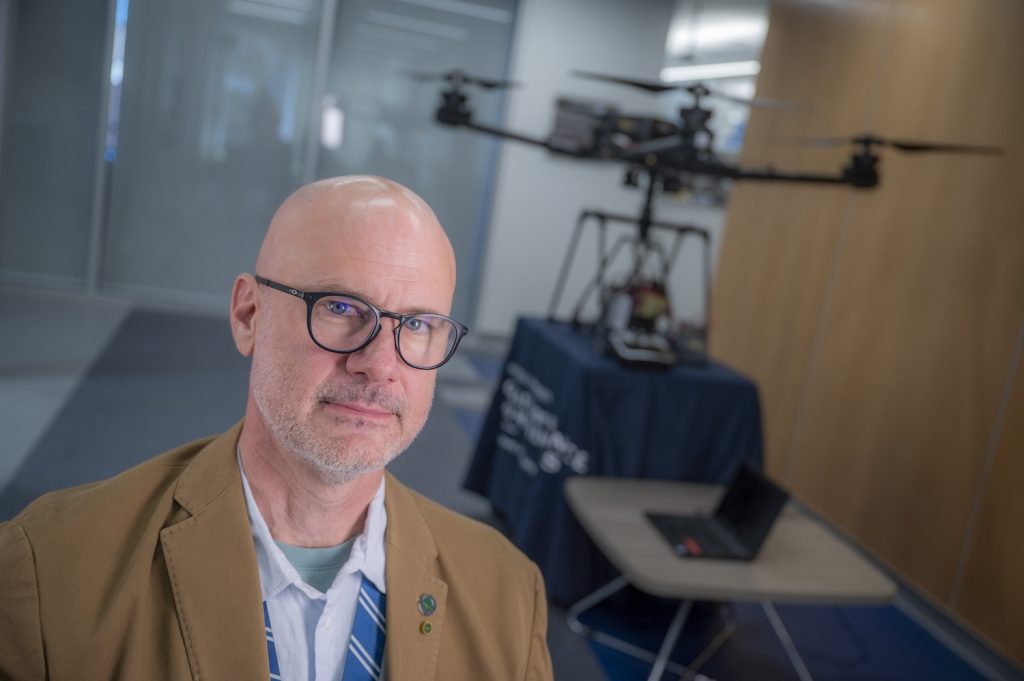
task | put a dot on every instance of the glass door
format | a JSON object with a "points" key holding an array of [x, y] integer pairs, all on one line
{"points": [[212, 132], [228, 105], [377, 115]]}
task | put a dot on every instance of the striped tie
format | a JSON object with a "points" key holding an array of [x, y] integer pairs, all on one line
{"points": [[366, 645], [275, 668]]}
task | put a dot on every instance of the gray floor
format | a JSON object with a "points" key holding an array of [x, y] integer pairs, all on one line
{"points": [[90, 386], [47, 343]]}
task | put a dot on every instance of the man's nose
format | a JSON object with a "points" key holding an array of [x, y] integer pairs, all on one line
{"points": [[379, 360]]}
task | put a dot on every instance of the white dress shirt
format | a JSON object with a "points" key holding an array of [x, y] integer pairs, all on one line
{"points": [[311, 629]]}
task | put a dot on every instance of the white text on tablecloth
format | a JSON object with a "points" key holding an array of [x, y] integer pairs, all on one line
{"points": [[526, 419]]}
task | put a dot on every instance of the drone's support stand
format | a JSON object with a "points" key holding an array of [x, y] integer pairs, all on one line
{"points": [[642, 247]]}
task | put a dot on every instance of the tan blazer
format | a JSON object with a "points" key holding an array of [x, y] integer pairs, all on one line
{"points": [[152, 575]]}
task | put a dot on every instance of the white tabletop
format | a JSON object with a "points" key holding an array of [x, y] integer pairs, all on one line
{"points": [[801, 561]]}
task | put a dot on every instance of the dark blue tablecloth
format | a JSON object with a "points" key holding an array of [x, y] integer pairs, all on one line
{"points": [[562, 410]]}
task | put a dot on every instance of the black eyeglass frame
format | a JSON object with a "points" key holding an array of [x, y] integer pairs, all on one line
{"points": [[311, 298]]}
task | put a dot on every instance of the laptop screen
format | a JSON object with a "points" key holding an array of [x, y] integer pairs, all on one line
{"points": [[749, 507]]}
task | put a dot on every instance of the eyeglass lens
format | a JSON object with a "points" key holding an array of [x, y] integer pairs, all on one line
{"points": [[343, 324]]}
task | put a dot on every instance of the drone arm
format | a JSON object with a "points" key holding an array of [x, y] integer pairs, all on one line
{"points": [[771, 174], [505, 134], [454, 112], [862, 178]]}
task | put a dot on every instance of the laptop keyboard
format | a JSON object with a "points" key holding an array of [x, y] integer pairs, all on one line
{"points": [[697, 537]]}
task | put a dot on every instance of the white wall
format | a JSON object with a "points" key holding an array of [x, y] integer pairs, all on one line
{"points": [[538, 197]]}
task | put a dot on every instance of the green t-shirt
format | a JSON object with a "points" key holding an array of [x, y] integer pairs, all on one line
{"points": [[317, 566]]}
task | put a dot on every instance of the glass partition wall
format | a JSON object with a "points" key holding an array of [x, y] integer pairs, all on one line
{"points": [[221, 109], [211, 137], [386, 112]]}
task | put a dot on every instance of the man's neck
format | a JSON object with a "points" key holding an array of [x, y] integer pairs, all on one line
{"points": [[299, 507]]}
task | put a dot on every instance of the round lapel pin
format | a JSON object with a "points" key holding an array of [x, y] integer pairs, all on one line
{"points": [[426, 627], [427, 604]]}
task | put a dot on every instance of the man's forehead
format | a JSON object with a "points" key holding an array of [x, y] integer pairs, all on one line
{"points": [[356, 197], [373, 226], [373, 219], [363, 236]]}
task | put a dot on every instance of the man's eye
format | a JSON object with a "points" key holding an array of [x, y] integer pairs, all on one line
{"points": [[417, 325], [340, 307]]}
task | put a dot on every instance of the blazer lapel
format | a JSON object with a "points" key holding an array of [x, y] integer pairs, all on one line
{"points": [[212, 567], [413, 639]]}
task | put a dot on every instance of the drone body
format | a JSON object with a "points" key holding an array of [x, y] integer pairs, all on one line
{"points": [[673, 154], [669, 156]]}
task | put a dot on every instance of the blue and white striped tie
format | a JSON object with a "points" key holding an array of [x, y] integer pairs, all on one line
{"points": [[366, 645], [275, 668], [365, 655]]}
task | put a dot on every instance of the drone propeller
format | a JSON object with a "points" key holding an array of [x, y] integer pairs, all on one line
{"points": [[457, 78], [907, 146], [695, 89], [648, 85]]}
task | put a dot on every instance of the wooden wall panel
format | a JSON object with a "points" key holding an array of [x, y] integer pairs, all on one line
{"points": [[880, 325], [993, 591], [774, 266], [912, 363]]}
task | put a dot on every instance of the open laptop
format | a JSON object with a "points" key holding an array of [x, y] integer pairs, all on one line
{"points": [[739, 525]]}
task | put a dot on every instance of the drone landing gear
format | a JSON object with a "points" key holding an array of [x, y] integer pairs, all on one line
{"points": [[636, 323]]}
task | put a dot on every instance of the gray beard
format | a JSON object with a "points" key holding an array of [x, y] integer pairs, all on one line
{"points": [[335, 461]]}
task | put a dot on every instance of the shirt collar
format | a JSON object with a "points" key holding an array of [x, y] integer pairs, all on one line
{"points": [[277, 573]]}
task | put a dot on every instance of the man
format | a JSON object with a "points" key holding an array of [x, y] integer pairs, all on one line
{"points": [[282, 549]]}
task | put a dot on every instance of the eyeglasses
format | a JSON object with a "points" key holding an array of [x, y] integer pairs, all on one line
{"points": [[344, 323]]}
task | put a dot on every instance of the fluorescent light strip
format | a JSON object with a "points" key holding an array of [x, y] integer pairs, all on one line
{"points": [[718, 34], [396, 39], [403, 22], [729, 69], [269, 12], [466, 9]]}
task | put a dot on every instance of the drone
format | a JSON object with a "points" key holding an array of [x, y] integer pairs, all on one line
{"points": [[675, 152], [636, 322]]}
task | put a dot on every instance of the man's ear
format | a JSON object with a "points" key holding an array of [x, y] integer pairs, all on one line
{"points": [[243, 313]]}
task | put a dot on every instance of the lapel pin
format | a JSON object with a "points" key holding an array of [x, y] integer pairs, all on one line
{"points": [[425, 627], [427, 605]]}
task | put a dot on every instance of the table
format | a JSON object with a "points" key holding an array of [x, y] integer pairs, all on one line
{"points": [[561, 410], [801, 561]]}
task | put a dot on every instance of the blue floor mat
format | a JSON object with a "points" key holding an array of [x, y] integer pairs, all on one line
{"points": [[878, 643]]}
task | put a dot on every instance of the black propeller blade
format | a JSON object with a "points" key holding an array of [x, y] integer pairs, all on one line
{"points": [[458, 77], [695, 89], [648, 85], [907, 146]]}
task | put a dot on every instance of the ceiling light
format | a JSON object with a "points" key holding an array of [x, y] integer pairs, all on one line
{"points": [[730, 69], [269, 12], [717, 34], [466, 9], [404, 22]]}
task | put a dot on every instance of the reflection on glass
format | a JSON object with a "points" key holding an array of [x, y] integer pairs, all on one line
{"points": [[214, 116], [212, 130], [388, 115]]}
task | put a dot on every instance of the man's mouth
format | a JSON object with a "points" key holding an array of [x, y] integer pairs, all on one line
{"points": [[358, 409]]}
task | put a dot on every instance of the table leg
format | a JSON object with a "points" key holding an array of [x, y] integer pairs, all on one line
{"points": [[660, 661], [589, 601], [786, 641], [671, 636], [709, 651]]}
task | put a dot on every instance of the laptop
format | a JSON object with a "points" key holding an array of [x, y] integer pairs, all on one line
{"points": [[737, 528]]}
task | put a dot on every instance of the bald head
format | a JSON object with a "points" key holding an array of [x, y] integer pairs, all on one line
{"points": [[364, 217], [343, 415]]}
